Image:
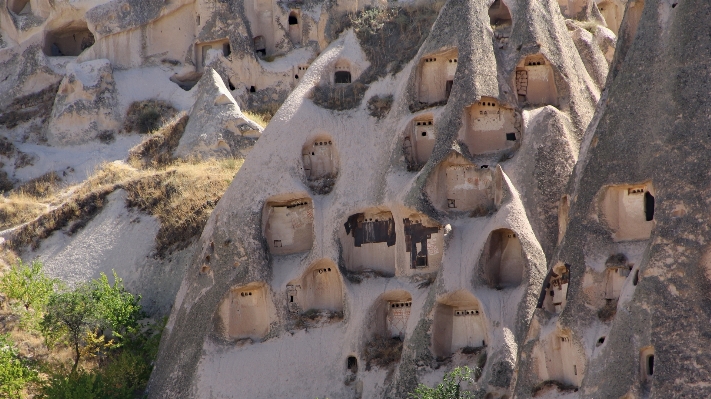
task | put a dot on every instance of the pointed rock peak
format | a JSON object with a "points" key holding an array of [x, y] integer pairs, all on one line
{"points": [[211, 87]]}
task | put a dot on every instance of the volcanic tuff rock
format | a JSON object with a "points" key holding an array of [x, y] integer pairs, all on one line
{"points": [[435, 228], [216, 127], [527, 199]]}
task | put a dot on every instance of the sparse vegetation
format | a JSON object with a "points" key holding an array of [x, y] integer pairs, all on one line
{"points": [[18, 209], [15, 372], [114, 366], [182, 198], [148, 116], [380, 106], [40, 187], [454, 385], [543, 386], [382, 351], [181, 194], [157, 150], [390, 38], [608, 312], [262, 119], [263, 114]]}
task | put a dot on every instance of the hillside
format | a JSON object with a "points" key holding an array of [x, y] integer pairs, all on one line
{"points": [[440, 184]]}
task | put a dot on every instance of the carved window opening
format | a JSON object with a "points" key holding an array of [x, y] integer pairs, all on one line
{"points": [[436, 76], [535, 82], [369, 242], [423, 242], [68, 41], [555, 289], [419, 142], [502, 259], [458, 324], [499, 14], [490, 127], [289, 226], [629, 211]]}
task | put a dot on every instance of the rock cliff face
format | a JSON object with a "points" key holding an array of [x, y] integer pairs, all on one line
{"points": [[445, 183], [366, 246]]}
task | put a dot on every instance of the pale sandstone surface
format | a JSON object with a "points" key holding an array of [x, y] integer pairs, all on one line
{"points": [[526, 152], [236, 313], [216, 128]]}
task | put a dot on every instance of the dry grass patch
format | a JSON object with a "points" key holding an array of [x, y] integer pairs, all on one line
{"points": [[182, 197], [157, 150], [79, 204], [261, 118], [18, 209], [382, 352], [181, 194], [42, 187], [148, 115]]}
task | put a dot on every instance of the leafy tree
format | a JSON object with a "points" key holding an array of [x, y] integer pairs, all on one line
{"points": [[449, 388], [118, 308], [78, 316], [27, 284], [15, 375]]}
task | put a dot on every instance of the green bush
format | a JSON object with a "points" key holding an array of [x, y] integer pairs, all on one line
{"points": [[77, 317], [15, 374], [449, 388], [26, 286], [77, 385]]}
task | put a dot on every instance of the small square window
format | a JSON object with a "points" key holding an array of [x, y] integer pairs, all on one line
{"points": [[451, 204], [277, 243], [510, 136]]}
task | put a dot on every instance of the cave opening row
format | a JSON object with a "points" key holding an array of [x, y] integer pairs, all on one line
{"points": [[458, 320], [369, 238]]}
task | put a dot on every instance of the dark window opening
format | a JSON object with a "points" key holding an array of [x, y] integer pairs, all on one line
{"points": [[424, 134], [226, 50], [416, 233], [296, 76], [260, 46], [511, 136], [367, 231], [252, 89], [635, 280], [291, 298], [342, 77], [293, 20], [650, 365], [451, 204], [352, 364], [229, 82], [648, 206], [601, 341], [448, 89]]}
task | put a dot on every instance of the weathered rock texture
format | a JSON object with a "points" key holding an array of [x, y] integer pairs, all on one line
{"points": [[85, 105], [501, 184], [637, 299], [431, 222], [216, 128]]}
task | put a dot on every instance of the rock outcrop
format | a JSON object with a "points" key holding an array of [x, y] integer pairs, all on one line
{"points": [[216, 127], [85, 105], [429, 223]]}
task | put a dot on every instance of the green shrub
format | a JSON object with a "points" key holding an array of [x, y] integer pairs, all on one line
{"points": [[26, 286], [15, 374], [449, 388], [77, 317], [76, 385]]}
